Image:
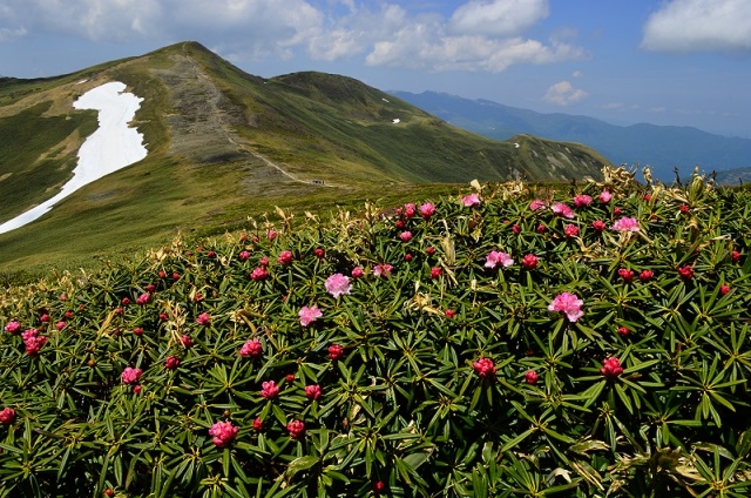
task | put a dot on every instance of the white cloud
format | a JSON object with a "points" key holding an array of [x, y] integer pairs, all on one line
{"points": [[497, 17], [11, 34], [577, 74], [613, 105], [480, 35], [563, 93], [699, 26], [656, 109]]}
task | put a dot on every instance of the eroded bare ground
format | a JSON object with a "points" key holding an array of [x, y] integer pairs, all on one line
{"points": [[201, 126]]}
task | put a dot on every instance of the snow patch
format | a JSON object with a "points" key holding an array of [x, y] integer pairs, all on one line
{"points": [[382, 98], [516, 145], [81, 82], [396, 120], [111, 147]]}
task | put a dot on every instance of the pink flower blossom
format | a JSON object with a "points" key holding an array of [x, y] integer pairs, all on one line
{"points": [[143, 299], [571, 231], [536, 205], [269, 389], [582, 200], [626, 274], [259, 274], [244, 255], [60, 325], [562, 209], [309, 315], [735, 256], [296, 429], [13, 327], [263, 262], [131, 375], [686, 272], [626, 224], [405, 236], [724, 289], [435, 272], [223, 432], [313, 391], [409, 210], [598, 225], [496, 258], [611, 368], [605, 196], [357, 272], [530, 261], [203, 319], [382, 270], [33, 341], [338, 285], [252, 348], [271, 234], [335, 352], [569, 304], [186, 341], [484, 367], [471, 200], [7, 416], [258, 424], [319, 252], [171, 362], [646, 275], [531, 377], [285, 258], [427, 210]]}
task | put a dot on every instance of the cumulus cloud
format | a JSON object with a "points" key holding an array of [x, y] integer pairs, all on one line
{"points": [[699, 26], [480, 35], [563, 93], [497, 17]]}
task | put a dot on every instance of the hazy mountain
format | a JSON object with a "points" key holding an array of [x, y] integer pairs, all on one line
{"points": [[662, 147], [223, 144]]}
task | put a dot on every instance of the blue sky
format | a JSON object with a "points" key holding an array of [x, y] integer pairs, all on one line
{"points": [[676, 62]]}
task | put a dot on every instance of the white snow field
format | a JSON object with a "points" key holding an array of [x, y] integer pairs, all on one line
{"points": [[111, 147]]}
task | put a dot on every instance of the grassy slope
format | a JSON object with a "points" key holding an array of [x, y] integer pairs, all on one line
{"points": [[316, 126]]}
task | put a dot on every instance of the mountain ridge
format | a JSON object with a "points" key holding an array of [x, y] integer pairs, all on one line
{"points": [[224, 144]]}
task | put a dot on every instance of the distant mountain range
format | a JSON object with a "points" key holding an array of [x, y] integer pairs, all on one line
{"points": [[662, 147]]}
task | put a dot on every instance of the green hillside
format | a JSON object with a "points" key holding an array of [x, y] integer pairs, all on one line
{"points": [[224, 144]]}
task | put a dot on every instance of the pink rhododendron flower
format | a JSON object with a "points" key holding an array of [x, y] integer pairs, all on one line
{"points": [[605, 196], [45, 318], [686, 272], [186, 341], [611, 368], [309, 315], [626, 224], [357, 272], [244, 255], [319, 252], [60, 325], [400, 224], [536, 205], [427, 210], [252, 348], [562, 209], [484, 367], [335, 352], [622, 331], [598, 225], [13, 327], [263, 262], [626, 274], [223, 432], [338, 285], [171, 362], [571, 231], [203, 319], [646, 275], [131, 375], [258, 424], [379, 487], [435, 272], [409, 210], [143, 299], [271, 234], [529, 261], [568, 304], [497, 258], [541, 228], [259, 274], [285, 258], [724, 289], [296, 429], [269, 389], [405, 236], [313, 391], [531, 377], [7, 416], [382, 270], [33, 341], [471, 200], [516, 229], [582, 200], [449, 313], [735, 256]]}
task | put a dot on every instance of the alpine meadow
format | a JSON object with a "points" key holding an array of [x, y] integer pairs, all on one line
{"points": [[310, 288]]}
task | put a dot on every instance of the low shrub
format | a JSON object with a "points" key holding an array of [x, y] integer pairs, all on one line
{"points": [[592, 342]]}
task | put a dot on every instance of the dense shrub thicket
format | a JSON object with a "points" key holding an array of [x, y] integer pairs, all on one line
{"points": [[591, 340]]}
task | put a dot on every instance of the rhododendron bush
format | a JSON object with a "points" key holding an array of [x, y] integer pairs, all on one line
{"points": [[494, 351]]}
